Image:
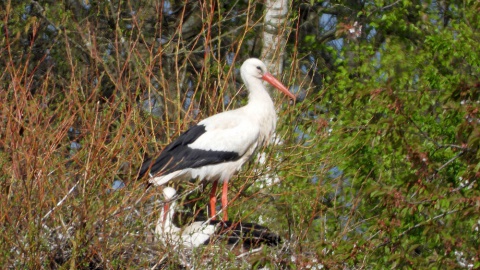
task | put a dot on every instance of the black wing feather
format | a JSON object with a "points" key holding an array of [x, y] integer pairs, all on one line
{"points": [[178, 155], [249, 234]]}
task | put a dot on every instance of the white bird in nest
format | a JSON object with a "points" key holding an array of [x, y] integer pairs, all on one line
{"points": [[203, 232], [217, 147]]}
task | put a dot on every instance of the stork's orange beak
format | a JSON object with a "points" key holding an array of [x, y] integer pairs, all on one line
{"points": [[277, 84], [166, 207]]}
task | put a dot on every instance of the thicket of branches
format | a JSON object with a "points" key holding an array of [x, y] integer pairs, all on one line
{"points": [[376, 165]]}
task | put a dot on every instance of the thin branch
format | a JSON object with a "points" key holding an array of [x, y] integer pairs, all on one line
{"points": [[449, 161], [249, 252], [417, 226], [61, 201], [328, 36], [389, 6]]}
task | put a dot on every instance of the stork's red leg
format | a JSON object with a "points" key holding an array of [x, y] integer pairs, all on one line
{"points": [[225, 200], [213, 200]]}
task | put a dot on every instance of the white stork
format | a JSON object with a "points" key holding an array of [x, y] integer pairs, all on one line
{"points": [[217, 147], [203, 232]]}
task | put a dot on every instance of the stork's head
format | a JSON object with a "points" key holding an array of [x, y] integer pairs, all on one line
{"points": [[169, 193], [254, 69]]}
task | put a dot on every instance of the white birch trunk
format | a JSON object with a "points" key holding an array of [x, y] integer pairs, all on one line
{"points": [[274, 35]]}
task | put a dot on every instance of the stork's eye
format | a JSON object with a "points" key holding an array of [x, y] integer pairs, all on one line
{"points": [[259, 68]]}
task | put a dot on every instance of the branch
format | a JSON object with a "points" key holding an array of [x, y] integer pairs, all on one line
{"points": [[389, 6], [61, 201], [418, 225], [328, 36], [449, 161]]}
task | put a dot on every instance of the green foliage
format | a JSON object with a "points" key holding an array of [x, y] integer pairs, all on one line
{"points": [[405, 138]]}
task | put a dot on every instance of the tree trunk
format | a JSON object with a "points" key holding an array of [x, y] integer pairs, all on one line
{"points": [[274, 35]]}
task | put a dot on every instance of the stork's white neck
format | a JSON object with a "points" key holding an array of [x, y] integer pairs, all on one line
{"points": [[261, 108], [165, 222]]}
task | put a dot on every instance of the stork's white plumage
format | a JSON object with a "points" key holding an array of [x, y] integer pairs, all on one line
{"points": [[217, 147], [203, 232], [191, 236]]}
